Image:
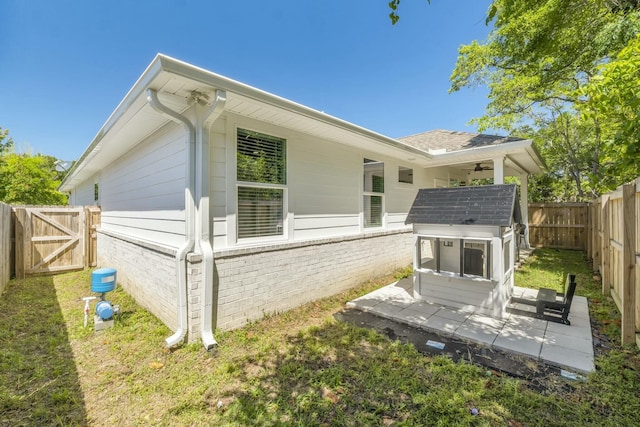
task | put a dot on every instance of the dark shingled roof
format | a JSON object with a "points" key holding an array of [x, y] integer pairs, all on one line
{"points": [[453, 140], [476, 205]]}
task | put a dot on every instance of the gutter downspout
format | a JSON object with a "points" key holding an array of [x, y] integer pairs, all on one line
{"points": [[181, 255], [204, 120]]}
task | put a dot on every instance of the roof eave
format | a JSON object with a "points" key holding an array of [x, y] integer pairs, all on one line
{"points": [[165, 64], [201, 75], [137, 90], [467, 154]]}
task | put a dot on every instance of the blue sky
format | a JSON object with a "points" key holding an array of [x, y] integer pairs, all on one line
{"points": [[65, 65]]}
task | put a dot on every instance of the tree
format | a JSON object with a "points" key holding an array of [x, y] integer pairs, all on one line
{"points": [[613, 97], [542, 64], [30, 180], [5, 146]]}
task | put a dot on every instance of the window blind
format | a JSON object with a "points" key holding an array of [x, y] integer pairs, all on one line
{"points": [[261, 158]]}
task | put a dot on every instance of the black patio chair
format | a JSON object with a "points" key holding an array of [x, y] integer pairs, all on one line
{"points": [[550, 305]]}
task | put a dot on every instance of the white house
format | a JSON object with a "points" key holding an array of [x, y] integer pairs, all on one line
{"points": [[221, 202]]}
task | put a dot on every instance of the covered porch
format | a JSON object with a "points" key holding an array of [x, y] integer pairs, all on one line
{"points": [[463, 158]]}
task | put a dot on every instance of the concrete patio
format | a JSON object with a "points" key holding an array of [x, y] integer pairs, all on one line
{"points": [[565, 346]]}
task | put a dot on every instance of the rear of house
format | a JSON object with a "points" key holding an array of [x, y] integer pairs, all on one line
{"points": [[289, 204], [222, 203]]}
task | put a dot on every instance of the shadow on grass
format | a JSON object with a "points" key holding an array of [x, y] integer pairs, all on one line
{"points": [[39, 383], [339, 374]]}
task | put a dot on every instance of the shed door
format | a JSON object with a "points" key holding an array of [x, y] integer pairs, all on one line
{"points": [[473, 261]]}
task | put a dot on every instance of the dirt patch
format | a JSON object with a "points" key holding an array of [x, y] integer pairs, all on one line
{"points": [[535, 374]]}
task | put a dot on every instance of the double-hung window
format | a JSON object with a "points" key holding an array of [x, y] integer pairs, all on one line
{"points": [[261, 174], [373, 203]]}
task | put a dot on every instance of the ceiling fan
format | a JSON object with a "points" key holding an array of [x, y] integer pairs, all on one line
{"points": [[480, 168]]}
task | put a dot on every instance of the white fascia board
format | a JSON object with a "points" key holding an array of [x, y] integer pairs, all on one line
{"points": [[472, 154]]}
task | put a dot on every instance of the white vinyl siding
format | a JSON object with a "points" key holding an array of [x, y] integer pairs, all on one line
{"points": [[261, 174], [142, 193], [83, 195], [323, 195]]}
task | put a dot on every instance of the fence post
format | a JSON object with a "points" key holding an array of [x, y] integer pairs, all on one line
{"points": [[20, 215], [595, 236], [628, 293], [606, 241]]}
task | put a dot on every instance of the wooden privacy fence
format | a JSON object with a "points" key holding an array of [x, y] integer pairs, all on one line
{"points": [[53, 239], [613, 247], [5, 245], [558, 225]]}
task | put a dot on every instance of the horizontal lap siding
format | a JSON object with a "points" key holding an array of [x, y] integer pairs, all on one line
{"points": [[142, 194], [84, 195], [324, 184], [457, 293], [324, 180], [218, 181]]}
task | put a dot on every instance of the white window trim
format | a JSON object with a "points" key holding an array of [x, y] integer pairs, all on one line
{"points": [[383, 225], [451, 274], [233, 238]]}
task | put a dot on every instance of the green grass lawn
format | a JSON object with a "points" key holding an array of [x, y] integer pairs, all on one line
{"points": [[301, 367]]}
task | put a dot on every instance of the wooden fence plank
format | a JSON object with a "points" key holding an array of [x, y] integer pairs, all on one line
{"points": [[558, 225], [628, 292], [5, 245], [606, 240]]}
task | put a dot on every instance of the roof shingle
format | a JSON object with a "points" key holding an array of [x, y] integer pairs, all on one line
{"points": [[476, 205], [453, 140]]}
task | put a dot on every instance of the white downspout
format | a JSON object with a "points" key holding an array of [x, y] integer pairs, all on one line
{"points": [[181, 255], [204, 120]]}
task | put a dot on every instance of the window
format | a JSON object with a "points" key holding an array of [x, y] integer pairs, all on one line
{"points": [[405, 175], [373, 203], [466, 258], [261, 173], [506, 250]]}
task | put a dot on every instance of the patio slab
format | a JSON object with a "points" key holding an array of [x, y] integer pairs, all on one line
{"points": [[565, 346]]}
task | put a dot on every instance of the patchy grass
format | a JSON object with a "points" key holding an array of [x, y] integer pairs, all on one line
{"points": [[296, 368]]}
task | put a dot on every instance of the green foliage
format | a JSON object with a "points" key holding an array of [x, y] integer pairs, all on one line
{"points": [[393, 5], [547, 61], [614, 98], [5, 146], [29, 180]]}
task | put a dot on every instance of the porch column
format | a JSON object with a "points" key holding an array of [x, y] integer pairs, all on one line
{"points": [[498, 170], [524, 206]]}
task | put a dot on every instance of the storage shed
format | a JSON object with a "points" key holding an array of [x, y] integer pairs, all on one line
{"points": [[465, 246]]}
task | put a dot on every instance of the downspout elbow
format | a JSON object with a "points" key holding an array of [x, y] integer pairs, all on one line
{"points": [[190, 235]]}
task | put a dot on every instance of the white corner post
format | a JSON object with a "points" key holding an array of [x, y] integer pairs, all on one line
{"points": [[524, 206], [498, 170]]}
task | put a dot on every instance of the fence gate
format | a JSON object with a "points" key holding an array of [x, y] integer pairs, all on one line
{"points": [[49, 239], [92, 218]]}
